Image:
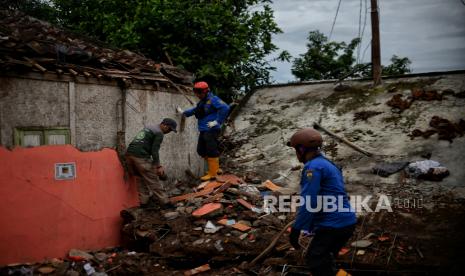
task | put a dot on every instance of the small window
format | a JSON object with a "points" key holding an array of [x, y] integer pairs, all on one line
{"points": [[37, 136], [65, 171]]}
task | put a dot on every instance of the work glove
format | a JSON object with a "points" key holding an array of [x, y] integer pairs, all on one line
{"points": [[212, 124], [294, 238], [179, 110]]}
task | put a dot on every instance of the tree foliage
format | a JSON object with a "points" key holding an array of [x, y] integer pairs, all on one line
{"points": [[333, 60], [398, 66], [223, 42], [324, 59]]}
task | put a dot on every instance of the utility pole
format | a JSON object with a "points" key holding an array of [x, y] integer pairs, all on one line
{"points": [[375, 44]]}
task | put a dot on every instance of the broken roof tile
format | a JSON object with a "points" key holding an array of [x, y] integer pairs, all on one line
{"points": [[207, 209], [231, 178], [190, 195]]}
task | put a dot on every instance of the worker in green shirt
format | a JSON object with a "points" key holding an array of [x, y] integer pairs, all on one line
{"points": [[142, 159]]}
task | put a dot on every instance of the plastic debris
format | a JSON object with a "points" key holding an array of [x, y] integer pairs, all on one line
{"points": [[210, 228], [89, 269]]}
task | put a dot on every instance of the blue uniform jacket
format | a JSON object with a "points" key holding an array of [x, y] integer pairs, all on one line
{"points": [[321, 177], [212, 108]]}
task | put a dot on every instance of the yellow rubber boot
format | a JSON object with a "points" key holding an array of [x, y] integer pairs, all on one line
{"points": [[213, 166]]}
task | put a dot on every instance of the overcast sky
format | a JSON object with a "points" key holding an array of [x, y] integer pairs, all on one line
{"points": [[431, 33]]}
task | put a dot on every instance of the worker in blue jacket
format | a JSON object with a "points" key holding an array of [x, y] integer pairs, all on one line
{"points": [[211, 112], [321, 180]]}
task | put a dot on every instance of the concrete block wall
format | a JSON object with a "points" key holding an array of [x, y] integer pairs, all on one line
{"points": [[92, 111], [28, 102]]}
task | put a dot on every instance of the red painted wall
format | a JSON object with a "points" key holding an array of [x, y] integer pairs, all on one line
{"points": [[41, 217]]}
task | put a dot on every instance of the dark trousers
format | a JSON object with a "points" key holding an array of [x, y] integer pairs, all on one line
{"points": [[207, 146], [149, 186], [325, 247]]}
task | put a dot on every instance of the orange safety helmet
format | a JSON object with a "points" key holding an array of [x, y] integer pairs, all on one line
{"points": [[201, 87]]}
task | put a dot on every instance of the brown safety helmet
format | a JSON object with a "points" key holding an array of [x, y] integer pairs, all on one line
{"points": [[306, 137]]}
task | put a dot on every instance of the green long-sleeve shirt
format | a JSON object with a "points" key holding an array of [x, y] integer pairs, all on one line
{"points": [[147, 144]]}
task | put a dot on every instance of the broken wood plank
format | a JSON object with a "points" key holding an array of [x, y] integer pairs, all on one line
{"points": [[222, 188], [35, 64], [271, 186], [213, 198], [74, 73], [272, 245], [345, 141]]}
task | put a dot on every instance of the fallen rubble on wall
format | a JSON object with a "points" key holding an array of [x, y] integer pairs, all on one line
{"points": [[222, 228], [445, 129]]}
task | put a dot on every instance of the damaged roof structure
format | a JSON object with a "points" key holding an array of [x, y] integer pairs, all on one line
{"points": [[29, 44]]}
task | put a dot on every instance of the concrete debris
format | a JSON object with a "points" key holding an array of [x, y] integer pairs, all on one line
{"points": [[361, 243], [218, 245], [79, 255], [249, 189], [171, 215], [385, 169]]}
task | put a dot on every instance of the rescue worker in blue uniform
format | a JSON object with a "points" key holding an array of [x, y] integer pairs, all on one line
{"points": [[321, 178], [211, 113]]}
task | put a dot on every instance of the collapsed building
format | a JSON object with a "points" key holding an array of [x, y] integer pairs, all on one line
{"points": [[402, 141]]}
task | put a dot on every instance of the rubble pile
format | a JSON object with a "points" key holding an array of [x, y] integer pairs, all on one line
{"points": [[399, 103], [445, 129], [220, 223]]}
